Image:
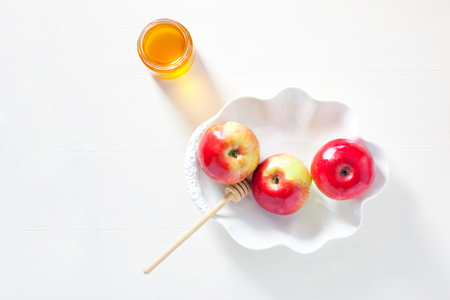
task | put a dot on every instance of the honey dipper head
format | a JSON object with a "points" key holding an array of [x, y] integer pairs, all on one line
{"points": [[240, 189]]}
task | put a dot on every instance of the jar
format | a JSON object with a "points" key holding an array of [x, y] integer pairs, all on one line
{"points": [[165, 47]]}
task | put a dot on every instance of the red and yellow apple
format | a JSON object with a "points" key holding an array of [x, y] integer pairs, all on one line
{"points": [[228, 152], [343, 169], [281, 184]]}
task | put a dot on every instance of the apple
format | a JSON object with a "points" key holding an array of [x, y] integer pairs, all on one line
{"points": [[281, 184], [343, 169], [228, 152]]}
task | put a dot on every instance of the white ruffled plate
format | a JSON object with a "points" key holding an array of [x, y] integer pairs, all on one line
{"points": [[291, 122]]}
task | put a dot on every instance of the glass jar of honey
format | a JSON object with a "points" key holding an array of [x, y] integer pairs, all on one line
{"points": [[165, 47]]}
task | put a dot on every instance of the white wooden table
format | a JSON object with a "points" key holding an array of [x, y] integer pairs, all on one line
{"points": [[92, 147]]}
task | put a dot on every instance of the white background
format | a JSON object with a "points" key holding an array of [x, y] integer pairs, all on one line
{"points": [[92, 147]]}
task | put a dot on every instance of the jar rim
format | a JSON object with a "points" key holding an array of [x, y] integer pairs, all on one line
{"points": [[187, 52]]}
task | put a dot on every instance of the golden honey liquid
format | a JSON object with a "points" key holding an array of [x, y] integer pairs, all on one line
{"points": [[164, 44], [165, 47]]}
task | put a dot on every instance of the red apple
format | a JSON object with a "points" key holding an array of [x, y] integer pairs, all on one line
{"points": [[281, 184], [228, 152], [343, 169]]}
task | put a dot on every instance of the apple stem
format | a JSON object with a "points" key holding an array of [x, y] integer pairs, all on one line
{"points": [[233, 153], [276, 180], [345, 172]]}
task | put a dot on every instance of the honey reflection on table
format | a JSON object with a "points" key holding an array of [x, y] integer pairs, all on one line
{"points": [[194, 94]]}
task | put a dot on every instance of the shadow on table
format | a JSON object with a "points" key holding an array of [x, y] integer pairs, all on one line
{"points": [[388, 256], [194, 93]]}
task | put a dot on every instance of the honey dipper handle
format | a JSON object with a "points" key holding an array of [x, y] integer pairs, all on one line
{"points": [[189, 232]]}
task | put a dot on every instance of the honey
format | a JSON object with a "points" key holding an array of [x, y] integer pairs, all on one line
{"points": [[165, 47]]}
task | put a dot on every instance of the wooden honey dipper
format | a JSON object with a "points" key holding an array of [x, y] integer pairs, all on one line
{"points": [[235, 192]]}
